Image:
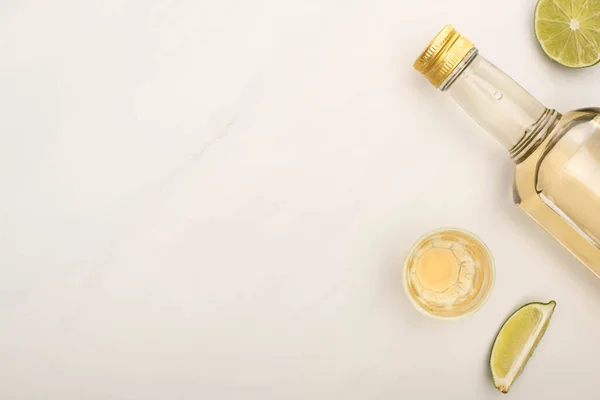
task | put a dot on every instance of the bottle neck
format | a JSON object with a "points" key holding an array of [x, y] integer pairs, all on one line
{"points": [[499, 105]]}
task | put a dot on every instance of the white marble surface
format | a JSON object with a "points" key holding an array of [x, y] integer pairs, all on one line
{"points": [[213, 199]]}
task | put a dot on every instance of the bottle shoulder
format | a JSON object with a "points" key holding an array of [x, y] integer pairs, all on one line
{"points": [[571, 131], [585, 116], [574, 130]]}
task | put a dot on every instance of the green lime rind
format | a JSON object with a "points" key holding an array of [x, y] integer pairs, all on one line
{"points": [[569, 31], [514, 338]]}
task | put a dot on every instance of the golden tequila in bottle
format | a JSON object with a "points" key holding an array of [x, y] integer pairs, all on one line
{"points": [[557, 156]]}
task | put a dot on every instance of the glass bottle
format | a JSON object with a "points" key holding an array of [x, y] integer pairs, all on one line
{"points": [[557, 156]]}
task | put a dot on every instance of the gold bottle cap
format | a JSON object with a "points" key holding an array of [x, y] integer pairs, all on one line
{"points": [[445, 52]]}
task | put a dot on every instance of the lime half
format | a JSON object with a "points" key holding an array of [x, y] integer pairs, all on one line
{"points": [[569, 31], [516, 342]]}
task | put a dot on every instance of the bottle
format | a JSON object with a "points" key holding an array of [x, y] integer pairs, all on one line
{"points": [[557, 156]]}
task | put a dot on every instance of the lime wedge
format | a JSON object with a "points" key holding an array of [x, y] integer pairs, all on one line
{"points": [[569, 31], [516, 342]]}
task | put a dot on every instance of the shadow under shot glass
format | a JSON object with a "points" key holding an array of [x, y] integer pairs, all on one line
{"points": [[449, 273]]}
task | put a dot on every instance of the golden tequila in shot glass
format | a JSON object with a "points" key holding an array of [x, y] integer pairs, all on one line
{"points": [[449, 273]]}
